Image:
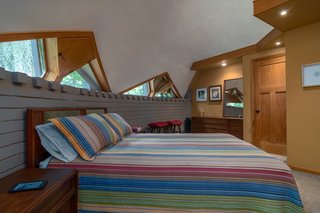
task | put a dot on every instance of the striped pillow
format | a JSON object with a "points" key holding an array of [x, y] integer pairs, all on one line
{"points": [[118, 124], [88, 134]]}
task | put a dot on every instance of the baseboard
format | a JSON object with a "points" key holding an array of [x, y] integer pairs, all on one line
{"points": [[317, 172]]}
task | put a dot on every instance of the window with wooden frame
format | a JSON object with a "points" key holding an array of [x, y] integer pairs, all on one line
{"points": [[157, 86], [69, 58]]}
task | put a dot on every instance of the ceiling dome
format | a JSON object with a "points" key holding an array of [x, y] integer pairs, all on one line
{"points": [[138, 39]]}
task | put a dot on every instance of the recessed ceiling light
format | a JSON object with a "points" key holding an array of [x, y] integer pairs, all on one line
{"points": [[283, 12], [224, 64], [278, 43]]}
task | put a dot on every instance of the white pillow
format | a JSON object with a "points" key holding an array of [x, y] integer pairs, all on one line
{"points": [[56, 143]]}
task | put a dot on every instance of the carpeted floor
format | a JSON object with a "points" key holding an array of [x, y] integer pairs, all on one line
{"points": [[309, 188]]}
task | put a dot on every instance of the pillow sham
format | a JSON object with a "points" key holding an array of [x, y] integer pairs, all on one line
{"points": [[88, 134], [118, 124], [56, 143]]}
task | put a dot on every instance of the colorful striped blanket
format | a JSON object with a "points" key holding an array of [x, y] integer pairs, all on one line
{"points": [[184, 173]]}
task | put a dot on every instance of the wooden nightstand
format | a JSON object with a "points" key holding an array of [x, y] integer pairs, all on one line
{"points": [[59, 195]]}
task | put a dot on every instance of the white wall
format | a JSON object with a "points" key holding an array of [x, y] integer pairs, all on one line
{"points": [[138, 39]]}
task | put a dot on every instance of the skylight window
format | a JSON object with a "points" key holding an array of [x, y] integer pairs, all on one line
{"points": [[157, 86], [168, 94], [26, 56], [141, 90], [81, 78]]}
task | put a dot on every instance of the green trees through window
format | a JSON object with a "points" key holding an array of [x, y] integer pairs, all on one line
{"points": [[74, 79], [23, 56], [142, 90]]}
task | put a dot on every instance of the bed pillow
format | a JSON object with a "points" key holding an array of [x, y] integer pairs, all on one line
{"points": [[88, 134], [56, 143], [118, 124]]}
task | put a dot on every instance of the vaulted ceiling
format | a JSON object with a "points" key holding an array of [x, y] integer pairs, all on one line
{"points": [[138, 39]]}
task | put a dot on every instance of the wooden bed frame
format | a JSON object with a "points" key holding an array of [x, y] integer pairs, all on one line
{"points": [[35, 153]]}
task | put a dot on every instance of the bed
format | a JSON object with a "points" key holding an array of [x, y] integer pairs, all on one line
{"points": [[176, 173]]}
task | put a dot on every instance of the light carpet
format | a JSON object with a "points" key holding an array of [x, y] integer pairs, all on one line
{"points": [[309, 188]]}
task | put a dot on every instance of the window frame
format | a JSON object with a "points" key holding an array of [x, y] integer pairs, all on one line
{"points": [[95, 64], [152, 90]]}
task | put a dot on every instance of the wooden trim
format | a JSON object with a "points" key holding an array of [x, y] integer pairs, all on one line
{"points": [[175, 90], [260, 6], [206, 63], [38, 35], [271, 36], [307, 170], [105, 86], [268, 57]]}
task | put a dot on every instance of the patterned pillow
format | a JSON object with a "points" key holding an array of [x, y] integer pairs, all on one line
{"points": [[118, 124], [88, 134]]}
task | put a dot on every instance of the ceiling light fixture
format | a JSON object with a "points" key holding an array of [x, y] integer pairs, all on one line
{"points": [[283, 12], [224, 64], [278, 43]]}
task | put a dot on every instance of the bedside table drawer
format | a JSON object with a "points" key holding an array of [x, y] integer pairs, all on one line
{"points": [[59, 199], [59, 195]]}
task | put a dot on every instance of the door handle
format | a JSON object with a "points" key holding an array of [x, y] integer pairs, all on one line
{"points": [[257, 111]]}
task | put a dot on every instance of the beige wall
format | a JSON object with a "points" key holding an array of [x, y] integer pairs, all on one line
{"points": [[303, 104], [204, 79], [248, 89]]}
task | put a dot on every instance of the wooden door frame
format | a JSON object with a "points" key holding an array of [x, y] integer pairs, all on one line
{"points": [[253, 102]]}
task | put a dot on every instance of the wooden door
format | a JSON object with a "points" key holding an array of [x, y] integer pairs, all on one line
{"points": [[269, 129]]}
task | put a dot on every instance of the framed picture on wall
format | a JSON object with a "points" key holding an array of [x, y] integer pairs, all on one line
{"points": [[201, 94], [215, 93], [311, 75]]}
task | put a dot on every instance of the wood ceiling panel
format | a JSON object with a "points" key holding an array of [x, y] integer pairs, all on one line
{"points": [[300, 13]]}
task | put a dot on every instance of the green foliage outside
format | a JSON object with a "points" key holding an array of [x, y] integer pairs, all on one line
{"points": [[17, 56], [141, 90], [74, 79]]}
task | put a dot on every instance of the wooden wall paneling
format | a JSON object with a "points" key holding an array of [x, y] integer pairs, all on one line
{"points": [[12, 162], [16, 98], [10, 150]]}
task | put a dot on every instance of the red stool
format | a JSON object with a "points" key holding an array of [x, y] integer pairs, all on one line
{"points": [[174, 124], [158, 126]]}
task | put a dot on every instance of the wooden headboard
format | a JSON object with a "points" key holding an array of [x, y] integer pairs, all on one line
{"points": [[36, 116]]}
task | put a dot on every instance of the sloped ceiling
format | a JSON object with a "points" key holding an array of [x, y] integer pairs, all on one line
{"points": [[138, 39]]}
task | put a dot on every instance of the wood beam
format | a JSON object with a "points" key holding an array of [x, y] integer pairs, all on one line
{"points": [[267, 41], [300, 13], [260, 6], [212, 61]]}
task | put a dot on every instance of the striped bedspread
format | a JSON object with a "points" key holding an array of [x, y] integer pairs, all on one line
{"points": [[184, 173]]}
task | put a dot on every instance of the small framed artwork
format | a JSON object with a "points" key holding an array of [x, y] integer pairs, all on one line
{"points": [[215, 93], [201, 94], [311, 75]]}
